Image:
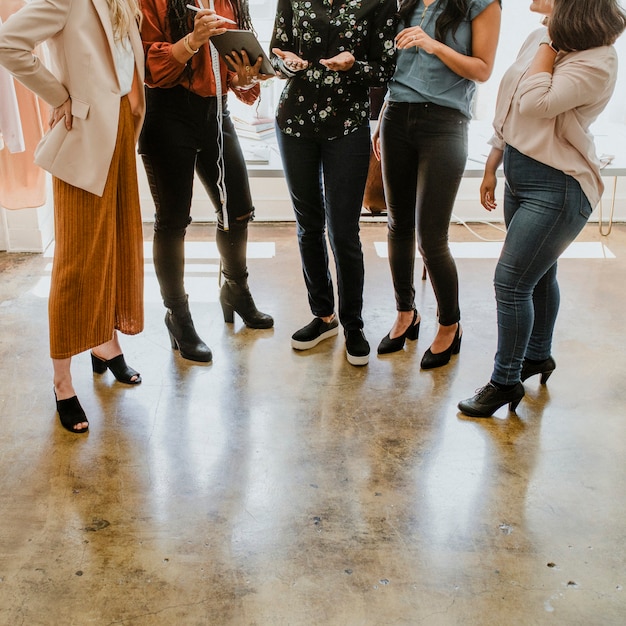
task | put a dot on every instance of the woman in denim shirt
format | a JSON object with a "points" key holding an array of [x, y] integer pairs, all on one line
{"points": [[444, 48], [331, 53]]}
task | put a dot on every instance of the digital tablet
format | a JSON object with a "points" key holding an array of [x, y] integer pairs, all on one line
{"points": [[239, 40]]}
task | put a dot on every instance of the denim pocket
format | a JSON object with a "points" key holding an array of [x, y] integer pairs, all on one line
{"points": [[585, 207], [576, 196]]}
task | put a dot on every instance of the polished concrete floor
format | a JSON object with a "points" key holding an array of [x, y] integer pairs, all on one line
{"points": [[280, 488]]}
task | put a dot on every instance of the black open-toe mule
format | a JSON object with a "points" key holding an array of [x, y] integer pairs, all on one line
{"points": [[118, 367], [71, 413]]}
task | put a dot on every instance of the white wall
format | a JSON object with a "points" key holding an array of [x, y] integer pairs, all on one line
{"points": [[517, 23]]}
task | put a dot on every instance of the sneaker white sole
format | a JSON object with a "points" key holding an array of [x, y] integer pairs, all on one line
{"points": [[357, 360], [307, 345]]}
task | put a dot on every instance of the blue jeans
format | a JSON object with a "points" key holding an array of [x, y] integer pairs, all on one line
{"points": [[326, 180], [424, 150], [544, 210]]}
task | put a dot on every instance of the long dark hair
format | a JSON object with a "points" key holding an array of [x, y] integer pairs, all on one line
{"points": [[453, 14], [180, 18]]}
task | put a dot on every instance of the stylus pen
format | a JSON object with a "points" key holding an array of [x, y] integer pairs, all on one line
{"points": [[194, 8]]}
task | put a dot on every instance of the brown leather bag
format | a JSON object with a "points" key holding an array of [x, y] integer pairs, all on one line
{"points": [[374, 196]]}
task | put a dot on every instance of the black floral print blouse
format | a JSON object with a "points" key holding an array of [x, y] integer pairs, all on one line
{"points": [[318, 102]]}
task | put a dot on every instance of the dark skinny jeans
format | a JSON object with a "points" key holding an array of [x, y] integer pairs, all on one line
{"points": [[424, 150], [326, 180], [179, 138]]}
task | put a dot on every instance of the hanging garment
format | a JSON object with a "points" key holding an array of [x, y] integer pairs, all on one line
{"points": [[11, 134], [22, 183]]}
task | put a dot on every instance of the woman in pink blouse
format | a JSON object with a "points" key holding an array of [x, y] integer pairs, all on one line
{"points": [[561, 81]]}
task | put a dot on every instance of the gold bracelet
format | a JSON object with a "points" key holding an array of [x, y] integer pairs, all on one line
{"points": [[188, 45]]}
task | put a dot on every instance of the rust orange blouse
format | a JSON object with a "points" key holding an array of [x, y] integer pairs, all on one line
{"points": [[164, 71]]}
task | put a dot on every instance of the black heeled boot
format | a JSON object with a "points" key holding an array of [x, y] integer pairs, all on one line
{"points": [[545, 368], [183, 335], [236, 297]]}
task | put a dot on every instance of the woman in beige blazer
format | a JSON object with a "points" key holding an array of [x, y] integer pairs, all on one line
{"points": [[94, 85]]}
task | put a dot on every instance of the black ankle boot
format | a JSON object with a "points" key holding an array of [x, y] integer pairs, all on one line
{"points": [[184, 337], [489, 399], [236, 297], [545, 368]]}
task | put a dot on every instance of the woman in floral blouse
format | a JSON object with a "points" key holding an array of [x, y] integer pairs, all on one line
{"points": [[331, 53]]}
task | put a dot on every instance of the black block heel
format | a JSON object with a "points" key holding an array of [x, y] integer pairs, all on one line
{"points": [[173, 341], [119, 368], [228, 311]]}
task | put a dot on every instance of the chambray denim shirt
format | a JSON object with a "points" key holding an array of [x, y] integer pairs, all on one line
{"points": [[318, 102], [422, 77]]}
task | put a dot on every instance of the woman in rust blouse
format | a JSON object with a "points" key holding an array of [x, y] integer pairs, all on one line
{"points": [[188, 130]]}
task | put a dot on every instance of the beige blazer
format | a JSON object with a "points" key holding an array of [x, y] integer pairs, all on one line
{"points": [[80, 41]]}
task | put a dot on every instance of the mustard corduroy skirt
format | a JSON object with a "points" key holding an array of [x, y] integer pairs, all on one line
{"points": [[97, 272]]}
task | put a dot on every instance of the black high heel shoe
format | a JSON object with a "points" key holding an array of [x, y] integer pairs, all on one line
{"points": [[545, 368], [388, 345], [183, 336], [431, 360], [236, 297], [71, 413], [489, 399], [118, 367]]}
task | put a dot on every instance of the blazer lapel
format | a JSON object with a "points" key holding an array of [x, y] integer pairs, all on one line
{"points": [[102, 8]]}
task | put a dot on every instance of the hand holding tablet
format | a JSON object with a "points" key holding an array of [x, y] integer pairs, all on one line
{"points": [[238, 40]]}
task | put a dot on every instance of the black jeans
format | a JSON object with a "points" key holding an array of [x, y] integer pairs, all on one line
{"points": [[326, 180], [180, 137], [424, 150]]}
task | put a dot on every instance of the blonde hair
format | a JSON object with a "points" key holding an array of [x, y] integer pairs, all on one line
{"points": [[123, 12]]}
